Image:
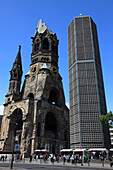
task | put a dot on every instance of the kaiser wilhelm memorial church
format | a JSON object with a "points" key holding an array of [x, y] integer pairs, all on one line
{"points": [[38, 111]]}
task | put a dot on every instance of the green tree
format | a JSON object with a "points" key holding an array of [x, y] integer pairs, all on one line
{"points": [[107, 119]]}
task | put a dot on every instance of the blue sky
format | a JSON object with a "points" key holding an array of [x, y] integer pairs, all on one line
{"points": [[18, 21]]}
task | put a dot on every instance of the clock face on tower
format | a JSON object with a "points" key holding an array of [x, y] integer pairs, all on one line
{"points": [[33, 69]]}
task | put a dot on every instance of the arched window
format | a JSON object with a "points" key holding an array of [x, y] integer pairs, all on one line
{"points": [[38, 129], [65, 134], [42, 59], [19, 120], [19, 139], [31, 96], [13, 85], [31, 104], [45, 44], [15, 75], [53, 99], [36, 46], [54, 48], [50, 123], [16, 120], [38, 146]]}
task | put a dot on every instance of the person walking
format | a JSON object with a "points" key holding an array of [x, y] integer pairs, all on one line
{"points": [[64, 159], [102, 159]]}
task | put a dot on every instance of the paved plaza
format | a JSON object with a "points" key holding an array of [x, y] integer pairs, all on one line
{"points": [[49, 166]]}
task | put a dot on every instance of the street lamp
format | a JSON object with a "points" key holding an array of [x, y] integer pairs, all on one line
{"points": [[15, 128], [16, 123]]}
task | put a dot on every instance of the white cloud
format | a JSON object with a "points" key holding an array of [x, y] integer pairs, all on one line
{"points": [[67, 104], [1, 109]]}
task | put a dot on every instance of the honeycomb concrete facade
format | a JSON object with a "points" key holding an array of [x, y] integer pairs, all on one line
{"points": [[86, 88], [38, 111]]}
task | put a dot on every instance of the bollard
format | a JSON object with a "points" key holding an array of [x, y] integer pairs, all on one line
{"points": [[88, 162]]}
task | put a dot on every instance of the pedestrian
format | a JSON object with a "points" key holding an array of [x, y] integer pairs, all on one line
{"points": [[23, 158], [64, 159], [5, 157], [75, 159], [38, 157], [72, 159], [46, 157], [102, 160], [52, 159], [68, 158], [85, 158], [35, 157], [57, 158]]}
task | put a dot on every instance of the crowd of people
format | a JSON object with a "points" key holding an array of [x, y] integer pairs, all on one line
{"points": [[3, 158], [64, 157], [69, 157]]}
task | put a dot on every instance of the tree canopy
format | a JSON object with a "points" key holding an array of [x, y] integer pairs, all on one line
{"points": [[107, 119]]}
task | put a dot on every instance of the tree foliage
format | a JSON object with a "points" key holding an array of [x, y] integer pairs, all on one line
{"points": [[107, 119]]}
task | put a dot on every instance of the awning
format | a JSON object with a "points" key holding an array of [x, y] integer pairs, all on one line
{"points": [[79, 150], [97, 149], [40, 150], [66, 150]]}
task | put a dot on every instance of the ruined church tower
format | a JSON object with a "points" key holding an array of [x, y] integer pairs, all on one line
{"points": [[38, 110]]}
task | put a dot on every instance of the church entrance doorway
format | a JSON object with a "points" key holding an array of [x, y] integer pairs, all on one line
{"points": [[16, 124]]}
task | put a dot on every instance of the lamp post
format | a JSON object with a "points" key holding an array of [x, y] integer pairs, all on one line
{"points": [[15, 128], [14, 139]]}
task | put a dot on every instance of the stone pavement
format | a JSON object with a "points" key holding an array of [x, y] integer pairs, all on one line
{"points": [[85, 165], [93, 164]]}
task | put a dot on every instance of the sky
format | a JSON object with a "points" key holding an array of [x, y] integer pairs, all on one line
{"points": [[18, 22]]}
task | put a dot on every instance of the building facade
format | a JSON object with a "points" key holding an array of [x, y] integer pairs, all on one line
{"points": [[111, 136], [86, 88], [38, 111]]}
